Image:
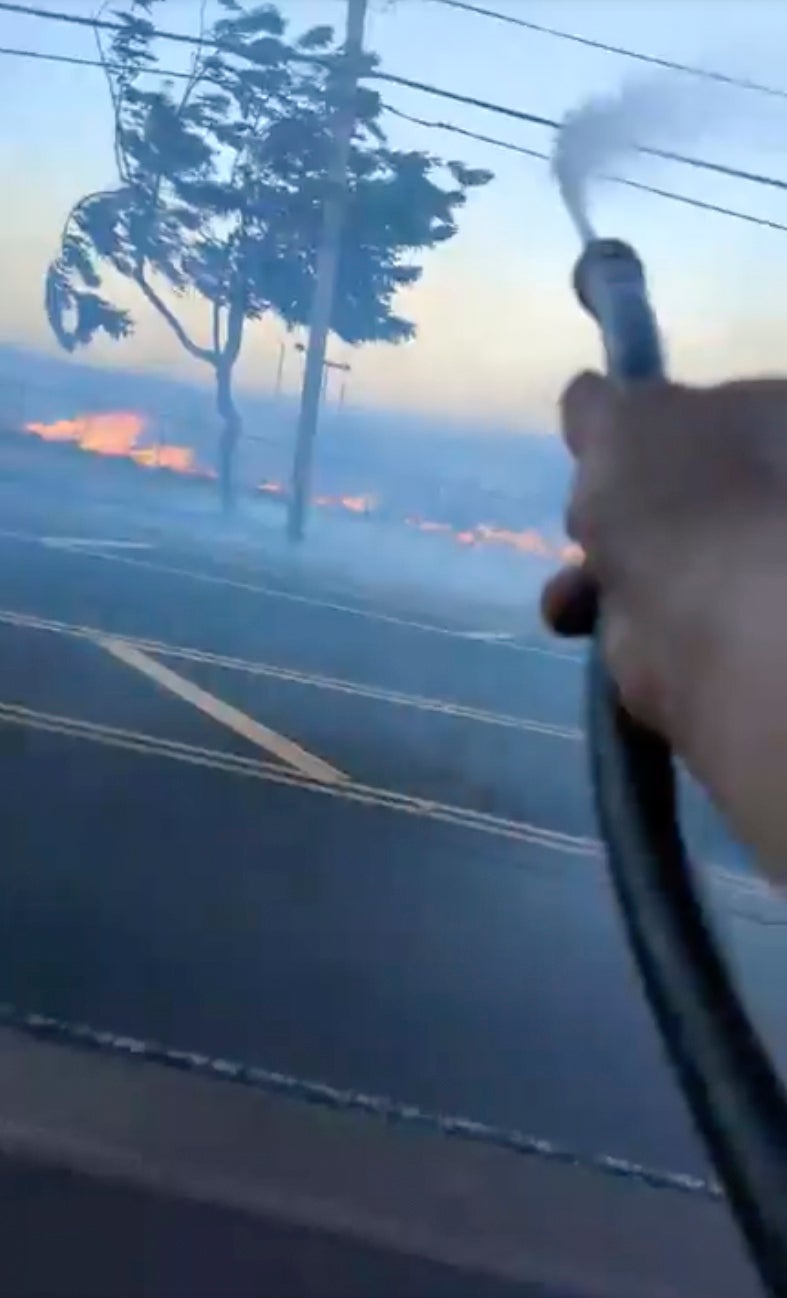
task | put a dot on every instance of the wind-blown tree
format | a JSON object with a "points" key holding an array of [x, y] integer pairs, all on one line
{"points": [[219, 196]]}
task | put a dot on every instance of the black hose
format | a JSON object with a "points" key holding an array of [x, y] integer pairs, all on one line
{"points": [[735, 1096]]}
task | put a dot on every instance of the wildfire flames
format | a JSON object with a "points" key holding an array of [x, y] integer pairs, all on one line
{"points": [[118, 433]]}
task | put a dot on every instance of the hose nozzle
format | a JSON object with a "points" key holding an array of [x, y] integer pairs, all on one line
{"points": [[609, 281]]}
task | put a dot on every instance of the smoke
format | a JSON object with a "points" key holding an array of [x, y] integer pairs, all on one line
{"points": [[663, 112]]}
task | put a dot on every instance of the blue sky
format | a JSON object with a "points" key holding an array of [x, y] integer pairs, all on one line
{"points": [[499, 332]]}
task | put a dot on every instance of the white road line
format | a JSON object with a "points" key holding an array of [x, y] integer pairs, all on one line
{"points": [[732, 887], [269, 592], [488, 635], [745, 886], [397, 698], [325, 1094], [94, 542], [289, 596], [287, 751], [233, 764]]}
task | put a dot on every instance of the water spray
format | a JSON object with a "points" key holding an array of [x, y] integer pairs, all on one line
{"points": [[735, 1095]]}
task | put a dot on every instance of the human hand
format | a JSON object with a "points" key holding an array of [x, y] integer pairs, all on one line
{"points": [[676, 490]]}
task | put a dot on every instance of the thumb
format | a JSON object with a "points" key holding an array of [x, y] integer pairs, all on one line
{"points": [[569, 602]]}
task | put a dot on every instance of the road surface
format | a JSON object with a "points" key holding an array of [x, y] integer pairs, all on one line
{"points": [[332, 838]]}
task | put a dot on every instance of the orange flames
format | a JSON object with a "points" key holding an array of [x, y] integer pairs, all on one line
{"points": [[117, 433], [353, 504], [527, 542]]}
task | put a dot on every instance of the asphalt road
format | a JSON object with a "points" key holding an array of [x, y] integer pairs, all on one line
{"points": [[431, 924]]}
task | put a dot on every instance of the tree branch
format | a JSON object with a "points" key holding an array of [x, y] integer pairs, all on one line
{"points": [[199, 353], [79, 204], [116, 98]]}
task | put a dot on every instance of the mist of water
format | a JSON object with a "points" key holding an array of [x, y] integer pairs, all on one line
{"points": [[661, 112]]}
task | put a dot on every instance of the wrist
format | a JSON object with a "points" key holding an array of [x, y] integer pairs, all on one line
{"points": [[729, 684]]}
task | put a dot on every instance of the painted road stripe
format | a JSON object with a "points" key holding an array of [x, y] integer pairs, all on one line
{"points": [[94, 542], [289, 596], [233, 764], [395, 698], [269, 592], [391, 1111], [423, 703], [729, 882], [307, 763], [735, 888], [488, 635]]}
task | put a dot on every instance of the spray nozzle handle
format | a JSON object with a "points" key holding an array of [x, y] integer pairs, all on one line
{"points": [[610, 283]]}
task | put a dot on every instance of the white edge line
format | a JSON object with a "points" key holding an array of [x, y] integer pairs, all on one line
{"points": [[295, 597], [93, 542]]}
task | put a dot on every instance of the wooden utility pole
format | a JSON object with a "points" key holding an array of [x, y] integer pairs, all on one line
{"points": [[280, 370], [327, 262]]}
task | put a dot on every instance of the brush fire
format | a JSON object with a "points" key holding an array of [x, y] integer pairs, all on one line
{"points": [[118, 433], [122, 434]]}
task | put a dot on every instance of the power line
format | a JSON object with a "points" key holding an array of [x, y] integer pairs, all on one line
{"points": [[108, 25], [86, 63], [535, 119], [424, 87], [503, 110], [468, 135], [451, 127], [685, 199], [720, 168], [708, 74]]}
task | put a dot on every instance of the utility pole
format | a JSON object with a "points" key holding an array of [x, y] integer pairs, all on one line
{"points": [[280, 370], [327, 261], [326, 366]]}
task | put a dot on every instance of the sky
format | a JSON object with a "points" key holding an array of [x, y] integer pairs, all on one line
{"points": [[499, 332]]}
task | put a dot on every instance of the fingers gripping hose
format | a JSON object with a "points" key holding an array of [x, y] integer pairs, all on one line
{"points": [[736, 1098]]}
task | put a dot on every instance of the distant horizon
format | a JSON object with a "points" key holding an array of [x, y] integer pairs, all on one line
{"points": [[410, 422], [506, 479]]}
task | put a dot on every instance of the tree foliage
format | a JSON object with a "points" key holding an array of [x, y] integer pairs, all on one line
{"points": [[221, 179]]}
